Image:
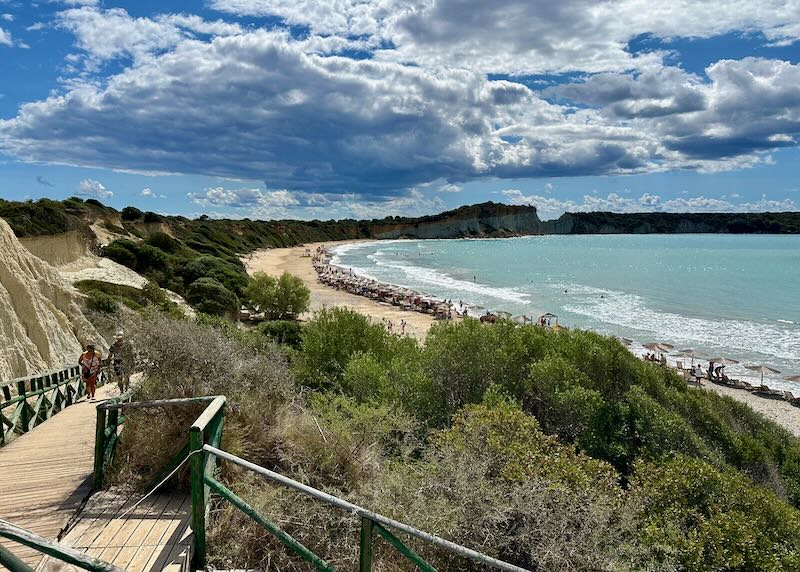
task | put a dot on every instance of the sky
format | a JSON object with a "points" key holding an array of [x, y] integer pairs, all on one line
{"points": [[320, 109]]}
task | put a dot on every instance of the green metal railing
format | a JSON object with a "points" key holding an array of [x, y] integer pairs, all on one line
{"points": [[204, 438], [110, 420], [27, 402], [202, 451], [48, 547]]}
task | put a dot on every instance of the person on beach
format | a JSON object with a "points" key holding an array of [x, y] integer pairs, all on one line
{"points": [[711, 370], [402, 327], [120, 355], [90, 364], [389, 327], [663, 360]]}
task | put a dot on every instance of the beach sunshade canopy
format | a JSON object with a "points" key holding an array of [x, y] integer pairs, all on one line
{"points": [[792, 378], [723, 360], [548, 315], [504, 314], [762, 369], [624, 341], [659, 346]]}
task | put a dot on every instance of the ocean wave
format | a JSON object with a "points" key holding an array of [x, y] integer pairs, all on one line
{"points": [[630, 311]]}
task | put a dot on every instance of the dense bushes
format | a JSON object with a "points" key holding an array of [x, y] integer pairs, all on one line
{"points": [[551, 451], [209, 296]]}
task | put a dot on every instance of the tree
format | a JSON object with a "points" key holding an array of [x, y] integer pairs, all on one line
{"points": [[281, 298]]}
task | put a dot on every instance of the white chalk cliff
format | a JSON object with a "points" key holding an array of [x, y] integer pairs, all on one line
{"points": [[41, 325]]}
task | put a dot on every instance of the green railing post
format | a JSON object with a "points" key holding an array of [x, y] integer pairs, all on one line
{"points": [[365, 546], [198, 497], [24, 418], [11, 562], [99, 448]]}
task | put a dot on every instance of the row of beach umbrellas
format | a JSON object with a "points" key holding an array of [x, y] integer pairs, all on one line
{"points": [[663, 347]]}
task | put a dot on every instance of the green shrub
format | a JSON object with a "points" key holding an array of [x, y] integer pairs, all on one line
{"points": [[715, 519], [331, 339], [229, 275], [163, 241], [130, 213], [123, 251], [283, 298], [282, 332], [207, 295], [101, 302]]}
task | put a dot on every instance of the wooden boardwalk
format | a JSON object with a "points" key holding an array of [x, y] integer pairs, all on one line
{"points": [[45, 475], [154, 536], [45, 483]]}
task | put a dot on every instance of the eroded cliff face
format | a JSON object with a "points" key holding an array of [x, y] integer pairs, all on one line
{"points": [[485, 220], [58, 249], [41, 325]]}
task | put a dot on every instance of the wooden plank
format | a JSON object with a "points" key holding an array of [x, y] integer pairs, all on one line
{"points": [[45, 473]]}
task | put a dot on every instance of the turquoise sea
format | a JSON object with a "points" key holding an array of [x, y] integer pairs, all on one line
{"points": [[737, 296]]}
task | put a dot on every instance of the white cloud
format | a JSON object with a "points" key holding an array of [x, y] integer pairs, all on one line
{"points": [[523, 36], [7, 17], [244, 198], [214, 98], [551, 207], [5, 38], [93, 189], [108, 34], [150, 194], [449, 188]]}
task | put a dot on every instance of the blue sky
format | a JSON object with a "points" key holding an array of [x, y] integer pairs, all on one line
{"points": [[355, 108]]}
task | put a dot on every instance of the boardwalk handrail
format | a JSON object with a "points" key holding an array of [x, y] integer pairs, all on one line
{"points": [[46, 546], [202, 480], [53, 391], [109, 422]]}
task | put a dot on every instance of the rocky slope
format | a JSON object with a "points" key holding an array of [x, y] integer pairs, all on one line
{"points": [[41, 325]]}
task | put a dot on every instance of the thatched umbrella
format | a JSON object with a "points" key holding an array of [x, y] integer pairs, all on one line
{"points": [[762, 369]]}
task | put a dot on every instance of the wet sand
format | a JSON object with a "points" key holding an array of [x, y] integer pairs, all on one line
{"points": [[278, 260]]}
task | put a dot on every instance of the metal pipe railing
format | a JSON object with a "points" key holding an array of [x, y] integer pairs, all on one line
{"points": [[364, 513], [54, 549]]}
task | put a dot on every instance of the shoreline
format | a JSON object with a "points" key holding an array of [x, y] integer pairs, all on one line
{"points": [[278, 260]]}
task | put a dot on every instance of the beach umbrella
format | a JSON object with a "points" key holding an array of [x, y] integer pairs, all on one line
{"points": [[505, 315], [792, 378], [659, 346], [623, 341], [520, 320], [723, 360], [762, 369]]}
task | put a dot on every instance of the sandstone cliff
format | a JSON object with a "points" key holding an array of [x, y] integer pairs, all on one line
{"points": [[41, 326], [483, 220]]}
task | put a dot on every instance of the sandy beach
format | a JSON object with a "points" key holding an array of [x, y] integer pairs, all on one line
{"points": [[278, 260]]}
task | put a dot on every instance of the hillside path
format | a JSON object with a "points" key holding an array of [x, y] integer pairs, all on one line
{"points": [[45, 475]]}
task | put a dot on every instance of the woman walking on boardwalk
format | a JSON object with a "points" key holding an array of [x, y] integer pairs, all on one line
{"points": [[90, 362]]}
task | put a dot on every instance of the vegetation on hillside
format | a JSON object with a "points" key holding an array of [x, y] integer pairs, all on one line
{"points": [[732, 223], [552, 451], [106, 297]]}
